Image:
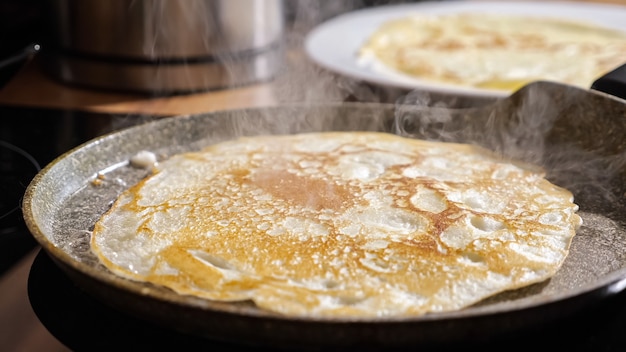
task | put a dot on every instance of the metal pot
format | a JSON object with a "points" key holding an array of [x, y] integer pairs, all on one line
{"points": [[160, 46]]}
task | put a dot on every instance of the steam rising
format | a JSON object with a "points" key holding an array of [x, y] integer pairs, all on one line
{"points": [[302, 81], [568, 131]]}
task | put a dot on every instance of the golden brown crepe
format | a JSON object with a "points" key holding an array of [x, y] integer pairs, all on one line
{"points": [[357, 224], [498, 52]]}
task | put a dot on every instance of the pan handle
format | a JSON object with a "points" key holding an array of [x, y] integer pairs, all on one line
{"points": [[613, 83]]}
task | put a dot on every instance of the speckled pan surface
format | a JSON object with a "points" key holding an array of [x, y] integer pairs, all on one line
{"points": [[576, 134]]}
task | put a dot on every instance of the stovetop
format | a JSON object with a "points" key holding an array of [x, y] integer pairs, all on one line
{"points": [[30, 139], [26, 142]]}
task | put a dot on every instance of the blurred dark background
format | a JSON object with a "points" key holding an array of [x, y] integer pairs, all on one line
{"points": [[21, 26]]}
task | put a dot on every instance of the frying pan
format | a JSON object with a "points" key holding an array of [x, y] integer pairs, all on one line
{"points": [[577, 135]]}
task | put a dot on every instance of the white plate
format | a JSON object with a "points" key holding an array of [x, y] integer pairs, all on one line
{"points": [[334, 44]]}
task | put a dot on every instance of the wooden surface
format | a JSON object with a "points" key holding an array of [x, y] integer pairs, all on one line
{"points": [[32, 88], [20, 331]]}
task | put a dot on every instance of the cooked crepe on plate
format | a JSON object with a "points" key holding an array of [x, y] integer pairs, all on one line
{"points": [[499, 52], [339, 224]]}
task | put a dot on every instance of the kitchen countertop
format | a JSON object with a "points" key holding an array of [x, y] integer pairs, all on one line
{"points": [[32, 88], [20, 329]]}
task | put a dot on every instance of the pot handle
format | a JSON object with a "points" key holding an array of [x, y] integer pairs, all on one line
{"points": [[613, 83]]}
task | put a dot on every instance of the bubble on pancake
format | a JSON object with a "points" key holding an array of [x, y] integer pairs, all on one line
{"points": [[357, 224]]}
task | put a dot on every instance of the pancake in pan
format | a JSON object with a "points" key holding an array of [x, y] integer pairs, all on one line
{"points": [[339, 224]]}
